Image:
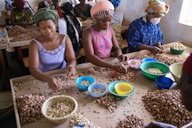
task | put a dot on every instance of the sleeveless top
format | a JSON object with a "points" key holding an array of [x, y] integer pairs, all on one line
{"points": [[102, 42], [51, 59]]}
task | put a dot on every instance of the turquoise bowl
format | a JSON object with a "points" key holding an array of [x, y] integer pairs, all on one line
{"points": [[163, 67], [79, 80]]}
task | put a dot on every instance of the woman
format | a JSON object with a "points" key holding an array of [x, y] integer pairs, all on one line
{"points": [[20, 14], [82, 10], [144, 33], [186, 83], [50, 50], [99, 40], [72, 27]]}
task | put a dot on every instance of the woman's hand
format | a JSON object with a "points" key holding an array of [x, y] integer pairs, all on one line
{"points": [[122, 58], [154, 49], [53, 83], [71, 70]]}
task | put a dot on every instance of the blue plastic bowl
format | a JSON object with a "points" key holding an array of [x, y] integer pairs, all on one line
{"points": [[149, 60], [79, 80], [163, 82], [94, 87]]}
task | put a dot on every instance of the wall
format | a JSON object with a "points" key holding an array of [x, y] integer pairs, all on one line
{"points": [[173, 31], [133, 9]]}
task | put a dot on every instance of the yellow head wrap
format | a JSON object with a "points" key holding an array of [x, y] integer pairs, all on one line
{"points": [[157, 6]]}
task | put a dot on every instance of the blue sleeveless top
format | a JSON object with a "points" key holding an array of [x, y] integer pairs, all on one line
{"points": [[51, 59]]}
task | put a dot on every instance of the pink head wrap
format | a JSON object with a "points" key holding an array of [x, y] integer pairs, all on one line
{"points": [[102, 9], [157, 6]]}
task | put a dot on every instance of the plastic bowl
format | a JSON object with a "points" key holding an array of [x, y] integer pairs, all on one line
{"points": [[163, 67], [88, 79], [149, 60], [53, 100], [97, 90], [134, 63], [176, 51], [123, 88], [163, 82], [176, 71], [111, 88]]}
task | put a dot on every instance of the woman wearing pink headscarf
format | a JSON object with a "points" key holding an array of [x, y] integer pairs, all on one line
{"points": [[99, 40]]}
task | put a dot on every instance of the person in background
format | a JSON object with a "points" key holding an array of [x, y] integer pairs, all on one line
{"points": [[44, 4], [8, 8], [115, 3], [72, 27], [50, 50], [57, 7], [99, 40], [145, 33], [186, 83], [20, 13], [82, 10]]}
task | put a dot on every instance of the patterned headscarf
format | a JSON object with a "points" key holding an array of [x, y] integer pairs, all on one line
{"points": [[157, 6], [102, 9], [45, 14]]}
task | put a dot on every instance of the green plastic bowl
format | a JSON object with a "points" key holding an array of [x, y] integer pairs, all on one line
{"points": [[175, 51], [163, 67], [111, 88]]}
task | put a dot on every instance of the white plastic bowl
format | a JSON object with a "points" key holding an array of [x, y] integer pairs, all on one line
{"points": [[53, 100], [176, 71]]}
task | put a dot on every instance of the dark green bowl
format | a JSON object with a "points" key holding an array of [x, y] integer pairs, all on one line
{"points": [[163, 67], [175, 51], [111, 88]]}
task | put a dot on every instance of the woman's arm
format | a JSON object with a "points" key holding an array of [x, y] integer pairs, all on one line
{"points": [[70, 57], [116, 49], [34, 67]]}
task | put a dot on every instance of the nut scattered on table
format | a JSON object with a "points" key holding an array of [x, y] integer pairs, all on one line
{"points": [[131, 121], [29, 107], [109, 102], [165, 106]]}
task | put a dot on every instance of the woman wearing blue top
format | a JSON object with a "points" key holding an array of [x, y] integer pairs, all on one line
{"points": [[144, 33], [50, 50]]}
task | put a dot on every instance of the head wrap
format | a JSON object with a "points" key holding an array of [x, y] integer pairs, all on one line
{"points": [[102, 9], [45, 14], [157, 6]]}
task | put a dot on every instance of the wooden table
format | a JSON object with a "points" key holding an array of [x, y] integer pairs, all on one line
{"points": [[88, 108]]}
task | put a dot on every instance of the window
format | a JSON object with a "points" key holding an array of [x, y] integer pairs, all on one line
{"points": [[186, 13]]}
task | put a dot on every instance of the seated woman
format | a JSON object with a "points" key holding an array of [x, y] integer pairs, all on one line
{"points": [[186, 83], [82, 10], [70, 25], [144, 33], [99, 40], [50, 50]]}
